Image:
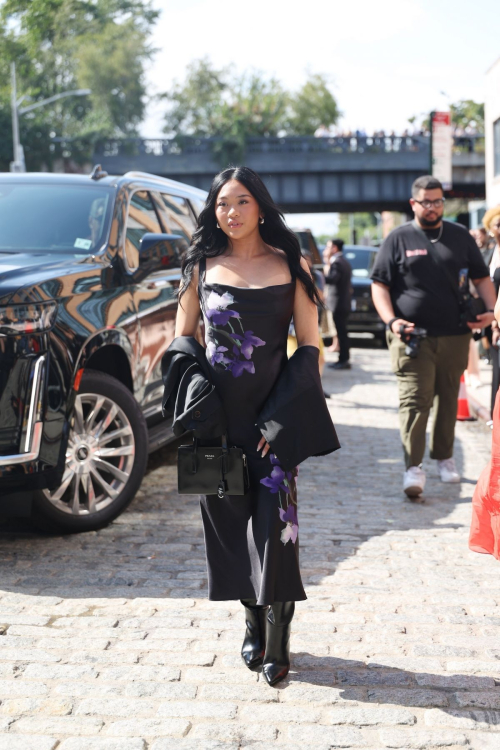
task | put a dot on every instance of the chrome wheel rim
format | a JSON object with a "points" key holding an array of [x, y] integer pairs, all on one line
{"points": [[99, 457]]}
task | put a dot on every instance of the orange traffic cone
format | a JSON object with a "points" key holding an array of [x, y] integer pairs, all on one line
{"points": [[463, 413]]}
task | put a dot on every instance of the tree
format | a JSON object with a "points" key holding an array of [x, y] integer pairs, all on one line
{"points": [[209, 103], [61, 45], [465, 113], [195, 104], [312, 106], [468, 114]]}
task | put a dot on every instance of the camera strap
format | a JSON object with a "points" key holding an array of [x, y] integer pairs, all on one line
{"points": [[431, 249]]}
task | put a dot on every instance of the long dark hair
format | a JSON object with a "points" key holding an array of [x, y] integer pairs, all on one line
{"points": [[208, 241]]}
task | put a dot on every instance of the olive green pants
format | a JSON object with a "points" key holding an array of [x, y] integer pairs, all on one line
{"points": [[432, 379]]}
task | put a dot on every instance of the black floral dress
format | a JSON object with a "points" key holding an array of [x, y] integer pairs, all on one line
{"points": [[252, 541]]}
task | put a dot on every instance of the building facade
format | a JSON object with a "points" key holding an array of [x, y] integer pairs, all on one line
{"points": [[492, 133]]}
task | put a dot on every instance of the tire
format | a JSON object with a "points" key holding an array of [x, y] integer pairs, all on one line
{"points": [[102, 472]]}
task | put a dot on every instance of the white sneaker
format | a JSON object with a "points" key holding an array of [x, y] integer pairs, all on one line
{"points": [[448, 471], [414, 481]]}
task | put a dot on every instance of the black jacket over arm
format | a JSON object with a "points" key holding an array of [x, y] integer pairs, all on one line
{"points": [[295, 419], [188, 391]]}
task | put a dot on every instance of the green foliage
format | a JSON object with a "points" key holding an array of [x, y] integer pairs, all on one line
{"points": [[313, 105], [464, 113], [467, 113], [364, 224], [60, 45], [215, 103], [195, 104]]}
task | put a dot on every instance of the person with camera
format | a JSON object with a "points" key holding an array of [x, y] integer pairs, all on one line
{"points": [[421, 291]]}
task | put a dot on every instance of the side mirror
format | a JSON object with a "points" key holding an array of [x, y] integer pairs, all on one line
{"points": [[160, 251]]}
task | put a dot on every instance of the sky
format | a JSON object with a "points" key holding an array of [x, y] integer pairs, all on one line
{"points": [[386, 60]]}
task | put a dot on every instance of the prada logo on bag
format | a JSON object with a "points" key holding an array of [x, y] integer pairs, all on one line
{"points": [[208, 456]]}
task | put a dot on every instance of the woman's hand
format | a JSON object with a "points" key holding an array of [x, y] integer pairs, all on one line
{"points": [[263, 445]]}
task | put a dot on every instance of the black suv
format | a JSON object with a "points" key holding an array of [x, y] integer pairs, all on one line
{"points": [[89, 267]]}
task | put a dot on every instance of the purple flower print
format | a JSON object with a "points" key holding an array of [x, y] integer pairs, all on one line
{"points": [[216, 308], [276, 481], [282, 481], [248, 341], [289, 516], [243, 344], [216, 353], [238, 366], [276, 462]]}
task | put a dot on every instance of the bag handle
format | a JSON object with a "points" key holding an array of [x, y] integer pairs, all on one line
{"points": [[223, 458]]}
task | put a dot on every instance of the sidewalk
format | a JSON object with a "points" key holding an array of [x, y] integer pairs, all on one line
{"points": [[110, 644]]}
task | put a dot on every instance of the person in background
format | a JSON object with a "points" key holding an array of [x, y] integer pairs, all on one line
{"points": [[322, 132], [328, 326], [420, 277], [338, 300], [484, 243], [491, 223]]}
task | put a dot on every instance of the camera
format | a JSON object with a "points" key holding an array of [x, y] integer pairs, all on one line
{"points": [[412, 340]]}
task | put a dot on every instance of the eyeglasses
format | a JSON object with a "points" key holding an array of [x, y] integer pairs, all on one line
{"points": [[431, 204]]}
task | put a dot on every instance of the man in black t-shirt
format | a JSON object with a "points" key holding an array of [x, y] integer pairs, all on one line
{"points": [[419, 278]]}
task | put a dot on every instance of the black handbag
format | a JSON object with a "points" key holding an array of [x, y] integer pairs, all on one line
{"points": [[219, 470]]}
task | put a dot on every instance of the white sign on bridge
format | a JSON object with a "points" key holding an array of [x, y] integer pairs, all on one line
{"points": [[442, 143]]}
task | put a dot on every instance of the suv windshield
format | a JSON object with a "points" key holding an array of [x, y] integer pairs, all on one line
{"points": [[361, 261], [60, 218]]}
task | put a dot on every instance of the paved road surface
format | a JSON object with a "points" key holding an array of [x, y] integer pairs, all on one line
{"points": [[109, 643]]}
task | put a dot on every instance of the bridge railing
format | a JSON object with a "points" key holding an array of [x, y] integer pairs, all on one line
{"points": [[355, 144]]}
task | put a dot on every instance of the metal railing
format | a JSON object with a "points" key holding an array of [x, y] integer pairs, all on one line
{"points": [[355, 144]]}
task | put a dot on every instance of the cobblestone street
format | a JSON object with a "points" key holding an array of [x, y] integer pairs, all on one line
{"points": [[108, 641]]}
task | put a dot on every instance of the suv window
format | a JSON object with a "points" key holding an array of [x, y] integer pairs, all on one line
{"points": [[141, 218], [54, 218], [177, 216]]}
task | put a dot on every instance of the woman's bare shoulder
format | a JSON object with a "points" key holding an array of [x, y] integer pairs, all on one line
{"points": [[279, 256]]}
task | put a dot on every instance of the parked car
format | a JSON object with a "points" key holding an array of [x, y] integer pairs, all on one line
{"points": [[89, 267], [308, 243], [363, 318]]}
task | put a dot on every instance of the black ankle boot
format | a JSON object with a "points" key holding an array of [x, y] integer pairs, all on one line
{"points": [[277, 657], [254, 644]]}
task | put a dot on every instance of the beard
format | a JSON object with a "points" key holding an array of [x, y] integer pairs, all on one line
{"points": [[431, 224]]}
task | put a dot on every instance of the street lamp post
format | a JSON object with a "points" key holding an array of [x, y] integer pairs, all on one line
{"points": [[18, 165]]}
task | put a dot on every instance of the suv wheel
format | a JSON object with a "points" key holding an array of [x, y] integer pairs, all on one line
{"points": [[106, 458]]}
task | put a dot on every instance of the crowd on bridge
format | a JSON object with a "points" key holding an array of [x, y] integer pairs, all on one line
{"points": [[324, 131]]}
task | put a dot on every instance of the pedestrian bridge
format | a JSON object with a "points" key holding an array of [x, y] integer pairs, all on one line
{"points": [[306, 174]]}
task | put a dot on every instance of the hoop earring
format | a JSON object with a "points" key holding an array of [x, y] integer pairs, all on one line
{"points": [[261, 220], [218, 227]]}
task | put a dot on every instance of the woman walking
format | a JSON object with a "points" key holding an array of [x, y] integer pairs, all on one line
{"points": [[245, 275]]}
